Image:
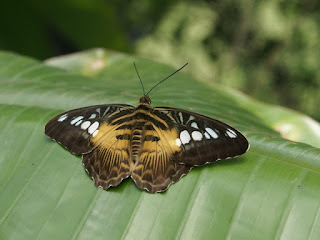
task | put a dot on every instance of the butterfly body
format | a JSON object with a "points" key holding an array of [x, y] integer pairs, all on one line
{"points": [[155, 146]]}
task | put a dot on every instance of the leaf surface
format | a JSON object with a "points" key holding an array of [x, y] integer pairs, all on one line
{"points": [[271, 192]]}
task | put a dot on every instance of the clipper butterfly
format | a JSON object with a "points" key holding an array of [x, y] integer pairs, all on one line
{"points": [[153, 146]]}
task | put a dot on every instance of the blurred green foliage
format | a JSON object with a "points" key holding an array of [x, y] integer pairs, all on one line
{"points": [[268, 49]]}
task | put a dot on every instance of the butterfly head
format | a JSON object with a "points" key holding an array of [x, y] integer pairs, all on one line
{"points": [[145, 99]]}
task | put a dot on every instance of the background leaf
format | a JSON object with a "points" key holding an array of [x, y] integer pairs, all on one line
{"points": [[270, 192]]}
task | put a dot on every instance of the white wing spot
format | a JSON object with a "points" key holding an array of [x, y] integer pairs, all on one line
{"points": [[191, 118], [185, 137], [207, 135], [181, 117], [195, 125], [63, 117], [76, 120], [93, 115], [105, 112], [78, 123], [85, 125], [93, 127], [178, 142], [196, 136], [98, 111], [95, 133], [231, 133], [212, 133]]}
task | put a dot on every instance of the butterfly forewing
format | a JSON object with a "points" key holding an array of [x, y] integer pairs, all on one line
{"points": [[74, 129], [202, 139]]}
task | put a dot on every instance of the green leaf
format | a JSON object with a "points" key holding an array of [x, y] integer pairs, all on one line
{"points": [[291, 124], [271, 192]]}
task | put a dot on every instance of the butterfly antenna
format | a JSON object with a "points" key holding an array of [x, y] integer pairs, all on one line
{"points": [[139, 78], [166, 78]]}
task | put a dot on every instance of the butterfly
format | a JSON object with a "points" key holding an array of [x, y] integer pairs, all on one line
{"points": [[153, 146]]}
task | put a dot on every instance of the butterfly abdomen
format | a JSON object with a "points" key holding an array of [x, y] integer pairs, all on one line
{"points": [[136, 140], [138, 121]]}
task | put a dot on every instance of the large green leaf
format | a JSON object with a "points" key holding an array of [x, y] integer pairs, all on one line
{"points": [[272, 191]]}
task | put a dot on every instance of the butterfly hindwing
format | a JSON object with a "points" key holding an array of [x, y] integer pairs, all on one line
{"points": [[202, 139], [155, 168], [74, 129], [109, 163]]}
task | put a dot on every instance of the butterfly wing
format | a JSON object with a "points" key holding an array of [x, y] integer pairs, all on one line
{"points": [[175, 140], [92, 132], [155, 168], [201, 139], [74, 129]]}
